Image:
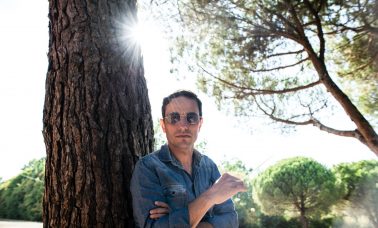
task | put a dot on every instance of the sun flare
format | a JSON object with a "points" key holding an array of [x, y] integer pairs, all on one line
{"points": [[139, 33], [144, 34], [145, 37]]}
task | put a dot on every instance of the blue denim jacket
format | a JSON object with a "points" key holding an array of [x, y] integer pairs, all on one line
{"points": [[159, 176]]}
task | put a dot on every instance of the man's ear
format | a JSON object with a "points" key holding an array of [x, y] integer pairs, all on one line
{"points": [[200, 124], [162, 125]]}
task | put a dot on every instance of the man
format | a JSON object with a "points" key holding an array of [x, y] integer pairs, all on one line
{"points": [[177, 186]]}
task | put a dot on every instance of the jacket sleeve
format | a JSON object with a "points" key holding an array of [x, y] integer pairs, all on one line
{"points": [[223, 215], [146, 189]]}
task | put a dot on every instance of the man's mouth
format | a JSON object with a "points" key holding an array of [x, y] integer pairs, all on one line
{"points": [[183, 136]]}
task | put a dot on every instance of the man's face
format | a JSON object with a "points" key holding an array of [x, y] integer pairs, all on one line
{"points": [[182, 134]]}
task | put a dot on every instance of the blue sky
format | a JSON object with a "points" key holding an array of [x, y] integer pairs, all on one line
{"points": [[23, 58]]}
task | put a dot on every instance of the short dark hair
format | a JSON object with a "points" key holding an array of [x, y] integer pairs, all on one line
{"points": [[181, 93]]}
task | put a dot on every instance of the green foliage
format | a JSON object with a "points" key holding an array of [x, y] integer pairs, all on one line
{"points": [[274, 221], [357, 59], [278, 221], [249, 212], [21, 197], [296, 187], [361, 180]]}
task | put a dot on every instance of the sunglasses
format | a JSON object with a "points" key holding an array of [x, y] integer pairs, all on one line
{"points": [[191, 118]]}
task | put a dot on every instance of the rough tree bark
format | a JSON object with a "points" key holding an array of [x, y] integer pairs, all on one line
{"points": [[97, 116]]}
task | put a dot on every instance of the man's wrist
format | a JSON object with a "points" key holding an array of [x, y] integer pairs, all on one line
{"points": [[209, 197]]}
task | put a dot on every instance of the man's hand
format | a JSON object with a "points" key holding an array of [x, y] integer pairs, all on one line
{"points": [[161, 210], [226, 187], [223, 189]]}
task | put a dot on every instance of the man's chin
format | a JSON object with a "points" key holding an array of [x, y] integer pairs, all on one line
{"points": [[184, 144]]}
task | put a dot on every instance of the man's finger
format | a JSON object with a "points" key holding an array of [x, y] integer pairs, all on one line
{"points": [[156, 216], [159, 210], [161, 204]]}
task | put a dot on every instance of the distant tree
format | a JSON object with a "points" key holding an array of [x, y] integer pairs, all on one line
{"points": [[361, 179], [296, 187], [21, 196], [97, 116], [248, 211], [278, 221], [261, 57]]}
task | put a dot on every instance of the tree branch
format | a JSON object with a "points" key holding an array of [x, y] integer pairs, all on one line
{"points": [[286, 53], [247, 91], [319, 28], [280, 67], [354, 134], [313, 121]]}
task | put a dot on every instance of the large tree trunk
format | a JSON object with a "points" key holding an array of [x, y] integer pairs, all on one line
{"points": [[97, 117], [365, 133]]}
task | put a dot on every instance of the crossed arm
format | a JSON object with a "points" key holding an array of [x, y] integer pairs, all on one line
{"points": [[163, 209], [223, 189]]}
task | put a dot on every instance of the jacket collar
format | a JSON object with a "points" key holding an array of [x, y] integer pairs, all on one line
{"points": [[166, 155]]}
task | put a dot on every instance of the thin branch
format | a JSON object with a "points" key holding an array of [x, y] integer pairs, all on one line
{"points": [[354, 134], [286, 53], [298, 23], [247, 91], [319, 28], [313, 121], [281, 17], [280, 67]]}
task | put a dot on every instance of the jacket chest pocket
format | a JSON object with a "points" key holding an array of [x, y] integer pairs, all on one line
{"points": [[176, 196]]}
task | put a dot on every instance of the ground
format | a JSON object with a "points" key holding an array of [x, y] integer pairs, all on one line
{"points": [[19, 224]]}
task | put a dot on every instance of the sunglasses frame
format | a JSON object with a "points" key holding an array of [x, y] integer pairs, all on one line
{"points": [[187, 116]]}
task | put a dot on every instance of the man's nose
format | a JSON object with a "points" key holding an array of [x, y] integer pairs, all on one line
{"points": [[183, 122]]}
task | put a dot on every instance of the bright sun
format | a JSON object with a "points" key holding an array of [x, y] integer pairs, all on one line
{"points": [[149, 36], [144, 34], [141, 33]]}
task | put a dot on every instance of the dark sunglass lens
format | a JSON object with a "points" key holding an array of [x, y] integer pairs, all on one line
{"points": [[192, 118], [173, 118]]}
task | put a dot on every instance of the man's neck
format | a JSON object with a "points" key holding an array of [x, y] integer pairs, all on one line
{"points": [[185, 157]]}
